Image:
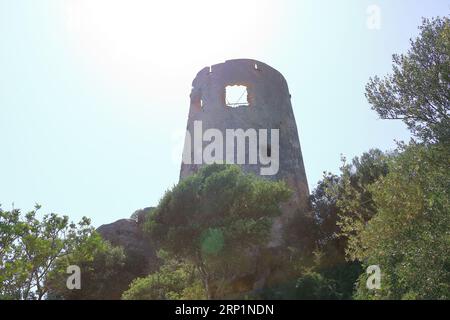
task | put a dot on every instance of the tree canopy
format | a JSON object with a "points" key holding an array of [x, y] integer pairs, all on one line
{"points": [[31, 249], [216, 220], [417, 91]]}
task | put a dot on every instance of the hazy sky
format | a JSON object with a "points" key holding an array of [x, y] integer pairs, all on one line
{"points": [[94, 94]]}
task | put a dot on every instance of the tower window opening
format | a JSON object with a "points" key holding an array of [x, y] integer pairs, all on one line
{"points": [[236, 96]]}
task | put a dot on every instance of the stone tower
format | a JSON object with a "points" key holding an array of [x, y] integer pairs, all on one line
{"points": [[265, 104]]}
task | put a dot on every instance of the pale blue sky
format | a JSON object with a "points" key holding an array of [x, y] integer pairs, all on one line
{"points": [[94, 93]]}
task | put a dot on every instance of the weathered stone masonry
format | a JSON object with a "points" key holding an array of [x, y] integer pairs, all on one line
{"points": [[269, 107]]}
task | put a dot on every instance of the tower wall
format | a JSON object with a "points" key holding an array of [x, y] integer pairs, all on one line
{"points": [[269, 108]]}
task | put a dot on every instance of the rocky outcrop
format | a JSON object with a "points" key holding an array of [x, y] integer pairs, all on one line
{"points": [[138, 248]]}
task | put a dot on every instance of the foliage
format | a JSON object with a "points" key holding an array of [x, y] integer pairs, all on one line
{"points": [[418, 90], [175, 280], [314, 283], [216, 220], [409, 237], [351, 196], [314, 286], [30, 249], [337, 202], [325, 211], [344, 276], [104, 269]]}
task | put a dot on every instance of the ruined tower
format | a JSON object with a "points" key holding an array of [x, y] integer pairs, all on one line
{"points": [[265, 103]]}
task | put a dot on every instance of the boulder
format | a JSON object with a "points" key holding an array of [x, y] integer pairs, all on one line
{"points": [[138, 248]]}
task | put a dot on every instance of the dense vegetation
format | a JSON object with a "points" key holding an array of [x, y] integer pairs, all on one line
{"points": [[32, 250], [216, 221], [389, 209]]}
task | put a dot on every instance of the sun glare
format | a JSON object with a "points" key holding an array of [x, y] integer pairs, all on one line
{"points": [[136, 39]]}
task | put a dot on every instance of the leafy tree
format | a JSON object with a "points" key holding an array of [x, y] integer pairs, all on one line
{"points": [[12, 270], [409, 237], [217, 220], [175, 280], [339, 203], [317, 281], [418, 90], [105, 272], [325, 211], [344, 276], [30, 249], [314, 286], [351, 195]]}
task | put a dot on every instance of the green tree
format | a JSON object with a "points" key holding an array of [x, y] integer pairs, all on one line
{"points": [[30, 249], [341, 205], [353, 198], [105, 272], [12, 270], [418, 90], [409, 237], [314, 286], [217, 220], [175, 280], [325, 211]]}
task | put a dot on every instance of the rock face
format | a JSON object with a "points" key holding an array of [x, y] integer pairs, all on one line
{"points": [[267, 107], [128, 234]]}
